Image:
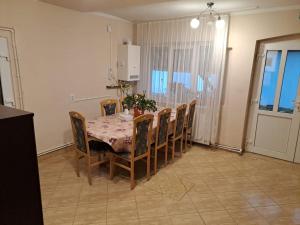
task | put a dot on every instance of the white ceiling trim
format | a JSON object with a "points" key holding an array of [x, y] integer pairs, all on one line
{"points": [[255, 10], [153, 10], [264, 10], [108, 16]]}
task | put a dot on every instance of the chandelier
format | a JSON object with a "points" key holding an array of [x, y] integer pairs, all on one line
{"points": [[213, 17]]}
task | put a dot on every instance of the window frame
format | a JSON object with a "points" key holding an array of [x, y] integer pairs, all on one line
{"points": [[170, 70]]}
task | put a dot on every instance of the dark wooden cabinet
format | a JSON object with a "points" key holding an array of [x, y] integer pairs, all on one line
{"points": [[20, 195]]}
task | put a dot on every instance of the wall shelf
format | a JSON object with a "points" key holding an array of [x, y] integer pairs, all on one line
{"points": [[113, 87]]}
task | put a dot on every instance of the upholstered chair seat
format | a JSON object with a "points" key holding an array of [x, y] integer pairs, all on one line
{"points": [[140, 148], [93, 151], [189, 124], [178, 129]]}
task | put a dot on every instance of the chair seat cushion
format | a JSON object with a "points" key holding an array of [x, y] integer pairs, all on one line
{"points": [[98, 146]]}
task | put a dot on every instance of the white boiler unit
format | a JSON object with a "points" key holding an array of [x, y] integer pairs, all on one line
{"points": [[129, 62]]}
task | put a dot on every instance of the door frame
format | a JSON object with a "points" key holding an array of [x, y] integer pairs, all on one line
{"points": [[1, 95], [9, 34], [284, 47], [256, 66]]}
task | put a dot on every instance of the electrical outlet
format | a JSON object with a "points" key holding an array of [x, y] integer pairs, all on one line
{"points": [[72, 97], [108, 28]]}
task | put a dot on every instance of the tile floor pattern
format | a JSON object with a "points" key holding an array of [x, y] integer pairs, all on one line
{"points": [[227, 189]]}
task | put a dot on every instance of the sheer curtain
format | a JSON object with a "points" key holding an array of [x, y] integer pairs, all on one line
{"points": [[179, 64]]}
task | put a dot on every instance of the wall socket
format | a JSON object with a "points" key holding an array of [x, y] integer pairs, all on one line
{"points": [[72, 97], [108, 28]]}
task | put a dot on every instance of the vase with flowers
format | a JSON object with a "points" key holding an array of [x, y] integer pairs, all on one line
{"points": [[139, 103]]}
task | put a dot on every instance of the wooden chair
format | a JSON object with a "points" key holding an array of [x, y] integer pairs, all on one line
{"points": [[91, 150], [161, 136], [109, 107], [189, 124], [177, 134], [140, 148], [121, 104]]}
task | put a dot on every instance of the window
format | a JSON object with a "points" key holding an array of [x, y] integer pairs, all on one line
{"points": [[159, 70], [209, 84], [200, 83], [159, 82], [290, 82], [270, 77], [177, 80], [205, 80], [182, 78], [182, 67]]}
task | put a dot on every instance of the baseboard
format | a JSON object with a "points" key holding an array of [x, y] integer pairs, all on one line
{"points": [[225, 147], [55, 149], [229, 148]]}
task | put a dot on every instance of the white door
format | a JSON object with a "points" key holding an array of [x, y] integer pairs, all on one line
{"points": [[5, 74], [276, 103]]}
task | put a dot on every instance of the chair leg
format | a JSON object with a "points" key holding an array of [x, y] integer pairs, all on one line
{"points": [[111, 167], [132, 181], [89, 171], [189, 139], [191, 143], [148, 164], [166, 155], [155, 161], [181, 145], [77, 163], [173, 150], [185, 141]]}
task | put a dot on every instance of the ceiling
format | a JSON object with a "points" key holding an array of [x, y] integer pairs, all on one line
{"points": [[143, 10]]}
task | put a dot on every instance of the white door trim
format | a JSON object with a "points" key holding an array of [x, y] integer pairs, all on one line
{"points": [[254, 110], [9, 34]]}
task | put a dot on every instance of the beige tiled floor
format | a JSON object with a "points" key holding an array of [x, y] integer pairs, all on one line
{"points": [[204, 187]]}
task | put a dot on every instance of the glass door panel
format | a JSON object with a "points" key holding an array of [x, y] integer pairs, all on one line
{"points": [[290, 82], [270, 77]]}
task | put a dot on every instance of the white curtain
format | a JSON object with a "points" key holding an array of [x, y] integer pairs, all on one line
{"points": [[179, 64]]}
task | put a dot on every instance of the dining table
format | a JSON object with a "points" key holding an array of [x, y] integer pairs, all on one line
{"points": [[117, 130]]}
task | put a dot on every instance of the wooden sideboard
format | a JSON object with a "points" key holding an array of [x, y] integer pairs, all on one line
{"points": [[20, 195]]}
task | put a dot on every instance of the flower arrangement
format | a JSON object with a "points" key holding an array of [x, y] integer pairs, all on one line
{"points": [[139, 103]]}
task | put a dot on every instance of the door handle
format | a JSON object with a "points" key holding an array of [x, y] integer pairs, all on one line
{"points": [[297, 104]]}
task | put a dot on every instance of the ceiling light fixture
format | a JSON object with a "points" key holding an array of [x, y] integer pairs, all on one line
{"points": [[211, 15], [220, 23], [195, 22]]}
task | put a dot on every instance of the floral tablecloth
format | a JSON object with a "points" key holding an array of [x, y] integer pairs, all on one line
{"points": [[117, 132]]}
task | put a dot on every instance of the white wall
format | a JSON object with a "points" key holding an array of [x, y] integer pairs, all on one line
{"points": [[244, 31], [61, 52]]}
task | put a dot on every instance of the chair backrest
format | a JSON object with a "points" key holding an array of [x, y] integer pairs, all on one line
{"points": [[180, 120], [121, 103], [79, 132], [191, 114], [142, 134], [109, 107], [162, 127]]}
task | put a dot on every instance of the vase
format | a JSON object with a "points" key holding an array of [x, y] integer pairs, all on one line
{"points": [[138, 112]]}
